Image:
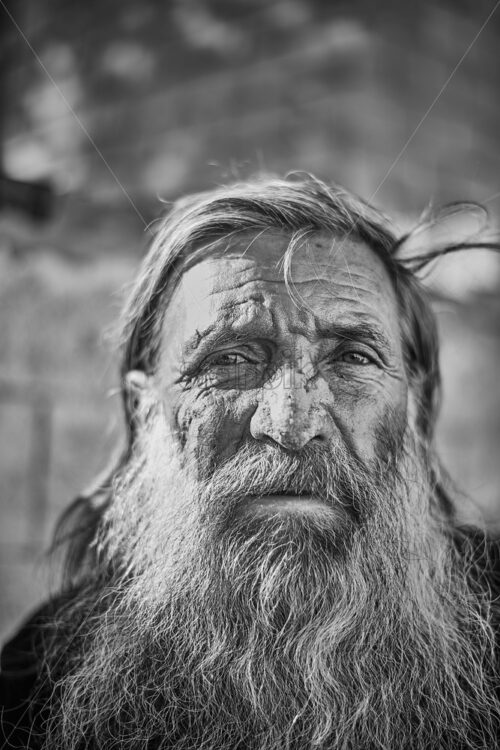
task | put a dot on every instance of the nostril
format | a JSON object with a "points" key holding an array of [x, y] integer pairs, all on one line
{"points": [[294, 441]]}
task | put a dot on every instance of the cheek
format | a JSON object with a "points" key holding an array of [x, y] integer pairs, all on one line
{"points": [[210, 426], [373, 424], [389, 434]]}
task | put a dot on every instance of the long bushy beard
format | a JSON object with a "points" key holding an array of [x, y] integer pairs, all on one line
{"points": [[217, 626]]}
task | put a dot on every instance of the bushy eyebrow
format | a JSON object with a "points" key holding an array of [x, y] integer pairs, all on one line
{"points": [[363, 331], [221, 332], [211, 338], [356, 331]]}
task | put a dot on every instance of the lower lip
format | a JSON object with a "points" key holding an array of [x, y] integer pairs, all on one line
{"points": [[306, 503]]}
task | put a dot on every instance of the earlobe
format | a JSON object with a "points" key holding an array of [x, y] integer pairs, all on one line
{"points": [[140, 395]]}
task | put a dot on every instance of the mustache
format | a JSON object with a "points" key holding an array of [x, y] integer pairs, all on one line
{"points": [[330, 474]]}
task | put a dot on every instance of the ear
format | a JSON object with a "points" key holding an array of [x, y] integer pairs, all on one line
{"points": [[140, 395]]}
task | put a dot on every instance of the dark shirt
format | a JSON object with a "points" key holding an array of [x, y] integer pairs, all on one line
{"points": [[21, 717]]}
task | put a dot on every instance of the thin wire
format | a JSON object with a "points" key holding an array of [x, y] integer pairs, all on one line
{"points": [[435, 100], [422, 120], [78, 120], [493, 197]]}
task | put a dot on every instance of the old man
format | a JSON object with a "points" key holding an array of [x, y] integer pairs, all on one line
{"points": [[274, 562]]}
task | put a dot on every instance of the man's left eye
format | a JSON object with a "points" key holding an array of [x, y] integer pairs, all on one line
{"points": [[355, 358]]}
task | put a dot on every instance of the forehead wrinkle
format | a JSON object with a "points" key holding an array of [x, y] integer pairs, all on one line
{"points": [[355, 279], [370, 300], [363, 326], [343, 292], [235, 296], [369, 305], [254, 315], [240, 322], [336, 246]]}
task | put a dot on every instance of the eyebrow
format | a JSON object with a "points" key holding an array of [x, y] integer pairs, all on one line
{"points": [[211, 337], [369, 332]]}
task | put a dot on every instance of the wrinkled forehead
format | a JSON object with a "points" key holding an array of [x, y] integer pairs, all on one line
{"points": [[321, 277]]}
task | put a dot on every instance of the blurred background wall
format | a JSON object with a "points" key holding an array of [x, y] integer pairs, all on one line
{"points": [[107, 106]]}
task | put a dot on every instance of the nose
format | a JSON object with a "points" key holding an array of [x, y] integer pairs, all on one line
{"points": [[292, 411]]}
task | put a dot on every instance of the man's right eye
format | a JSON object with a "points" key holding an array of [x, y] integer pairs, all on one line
{"points": [[228, 359], [241, 368]]}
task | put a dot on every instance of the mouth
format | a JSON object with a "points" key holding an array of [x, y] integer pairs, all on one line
{"points": [[284, 502]]}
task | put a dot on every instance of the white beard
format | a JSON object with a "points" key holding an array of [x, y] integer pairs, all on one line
{"points": [[355, 627]]}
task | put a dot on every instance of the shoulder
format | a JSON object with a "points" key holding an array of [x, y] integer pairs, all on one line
{"points": [[20, 668]]}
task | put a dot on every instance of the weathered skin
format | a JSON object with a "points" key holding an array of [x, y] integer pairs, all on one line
{"points": [[241, 361]]}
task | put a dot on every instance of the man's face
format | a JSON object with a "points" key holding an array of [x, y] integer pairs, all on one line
{"points": [[245, 359]]}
